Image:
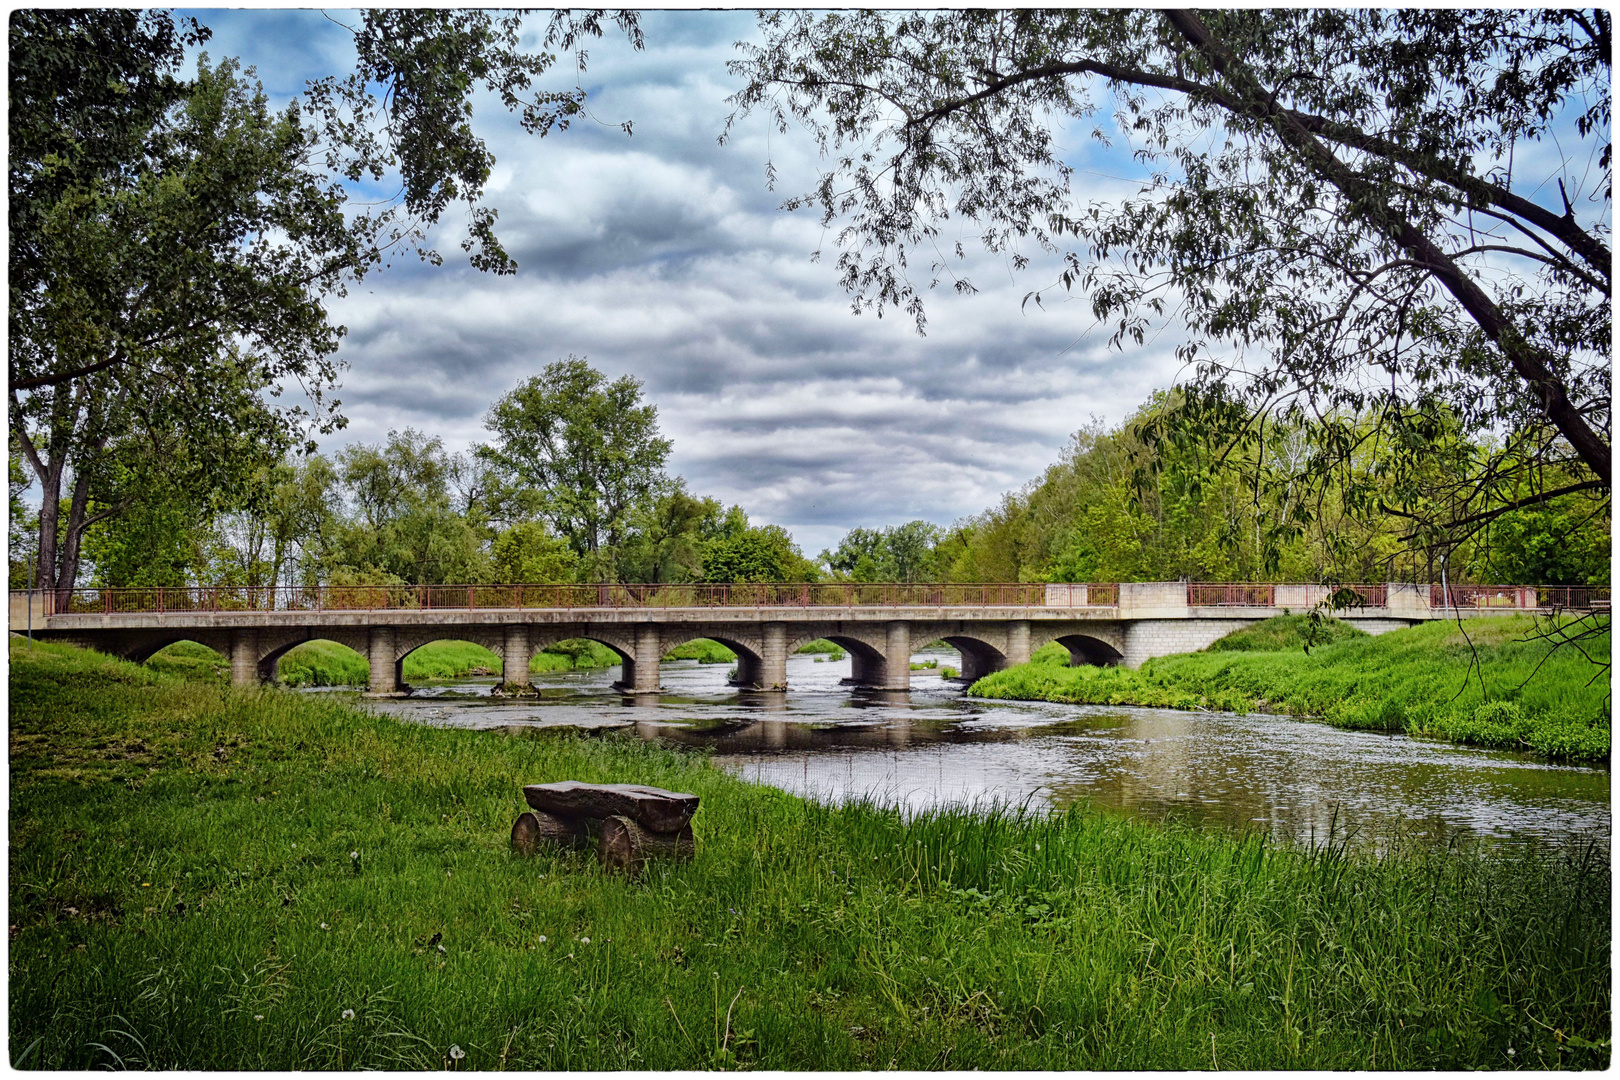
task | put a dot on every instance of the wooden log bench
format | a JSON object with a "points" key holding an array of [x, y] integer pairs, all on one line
{"points": [[628, 823]]}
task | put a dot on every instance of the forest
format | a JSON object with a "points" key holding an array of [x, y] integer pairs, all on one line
{"points": [[573, 487]]}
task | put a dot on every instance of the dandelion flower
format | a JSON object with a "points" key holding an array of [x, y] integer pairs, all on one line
{"points": [[354, 854], [542, 939], [325, 927], [456, 1052], [258, 1016], [1510, 1052], [348, 1014], [584, 941]]}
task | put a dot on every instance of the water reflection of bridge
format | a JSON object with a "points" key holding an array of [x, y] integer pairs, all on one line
{"points": [[992, 626]]}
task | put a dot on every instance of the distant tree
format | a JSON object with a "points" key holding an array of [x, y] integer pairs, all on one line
{"points": [[402, 523], [897, 553], [1337, 211], [756, 553], [667, 536], [588, 450], [278, 535], [527, 553]]}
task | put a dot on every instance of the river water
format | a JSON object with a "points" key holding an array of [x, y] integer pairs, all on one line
{"points": [[1290, 778]]}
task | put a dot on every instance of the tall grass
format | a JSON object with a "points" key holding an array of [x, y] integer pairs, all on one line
{"points": [[1488, 683], [205, 878]]}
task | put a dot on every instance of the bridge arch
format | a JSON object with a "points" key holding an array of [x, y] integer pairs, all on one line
{"points": [[1088, 651], [979, 657], [750, 661], [270, 653], [141, 649], [868, 666]]}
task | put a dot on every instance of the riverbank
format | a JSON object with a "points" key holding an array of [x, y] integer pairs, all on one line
{"points": [[1488, 682], [286, 881]]}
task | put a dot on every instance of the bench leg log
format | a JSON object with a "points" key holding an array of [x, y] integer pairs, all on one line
{"points": [[536, 829], [624, 845]]}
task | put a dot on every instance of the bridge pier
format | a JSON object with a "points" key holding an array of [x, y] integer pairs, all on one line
{"points": [[897, 656], [773, 657], [642, 678], [1017, 642], [385, 670], [244, 657], [515, 657]]}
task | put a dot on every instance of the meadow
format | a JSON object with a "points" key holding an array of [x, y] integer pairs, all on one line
{"points": [[210, 878], [1487, 682]]}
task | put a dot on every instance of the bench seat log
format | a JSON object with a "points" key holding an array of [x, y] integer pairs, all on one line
{"points": [[654, 809], [626, 845]]}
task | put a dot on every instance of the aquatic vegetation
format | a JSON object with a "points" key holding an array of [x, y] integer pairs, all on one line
{"points": [[195, 838], [1486, 683]]}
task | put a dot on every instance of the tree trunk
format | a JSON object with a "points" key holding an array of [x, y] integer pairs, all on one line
{"points": [[626, 846]]}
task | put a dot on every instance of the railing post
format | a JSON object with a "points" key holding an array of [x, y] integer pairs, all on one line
{"points": [[213, 599], [469, 598]]}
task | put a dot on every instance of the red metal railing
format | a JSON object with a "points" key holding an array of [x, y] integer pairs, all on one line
{"points": [[1205, 594], [200, 599], [551, 597], [1522, 597]]}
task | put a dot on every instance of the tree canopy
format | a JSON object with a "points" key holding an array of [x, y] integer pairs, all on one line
{"points": [[1329, 207]]}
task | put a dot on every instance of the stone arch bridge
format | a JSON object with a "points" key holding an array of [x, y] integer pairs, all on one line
{"points": [[992, 626]]}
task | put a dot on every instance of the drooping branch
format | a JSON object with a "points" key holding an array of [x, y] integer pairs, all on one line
{"points": [[1529, 362]]}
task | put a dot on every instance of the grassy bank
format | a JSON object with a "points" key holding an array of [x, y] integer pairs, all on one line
{"points": [[703, 651], [206, 878], [1482, 683], [326, 663]]}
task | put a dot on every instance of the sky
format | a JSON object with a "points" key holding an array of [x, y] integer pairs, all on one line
{"points": [[664, 255]]}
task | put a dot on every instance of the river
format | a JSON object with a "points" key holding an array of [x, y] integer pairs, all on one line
{"points": [[1293, 779]]}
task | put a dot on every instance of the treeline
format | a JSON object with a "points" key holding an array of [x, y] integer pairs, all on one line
{"points": [[1124, 505], [572, 487]]}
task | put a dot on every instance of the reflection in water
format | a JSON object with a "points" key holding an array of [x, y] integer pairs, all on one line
{"points": [[1289, 778]]}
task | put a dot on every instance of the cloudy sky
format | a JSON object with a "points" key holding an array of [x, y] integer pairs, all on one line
{"points": [[664, 255]]}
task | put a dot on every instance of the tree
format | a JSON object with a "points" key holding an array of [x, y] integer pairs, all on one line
{"points": [[403, 527], [897, 553], [1332, 190], [587, 449], [527, 553], [278, 535], [172, 241], [668, 534], [755, 553]]}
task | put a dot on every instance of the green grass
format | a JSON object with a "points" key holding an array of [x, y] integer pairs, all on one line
{"points": [[1483, 684], [326, 663], [831, 648], [208, 878], [1284, 633], [703, 651]]}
